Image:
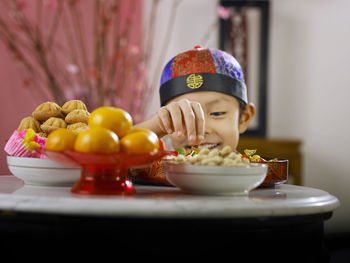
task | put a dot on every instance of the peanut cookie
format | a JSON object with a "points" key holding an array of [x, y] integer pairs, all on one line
{"points": [[52, 124], [29, 122], [77, 116], [42, 134], [79, 126], [223, 157], [72, 105], [46, 110]]}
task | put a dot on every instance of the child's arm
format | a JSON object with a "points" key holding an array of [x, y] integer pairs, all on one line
{"points": [[182, 117]]}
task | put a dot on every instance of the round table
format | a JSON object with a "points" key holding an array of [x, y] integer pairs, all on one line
{"points": [[159, 218]]}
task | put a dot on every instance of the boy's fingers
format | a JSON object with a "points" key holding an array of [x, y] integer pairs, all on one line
{"points": [[165, 119], [176, 117], [190, 120], [200, 120]]}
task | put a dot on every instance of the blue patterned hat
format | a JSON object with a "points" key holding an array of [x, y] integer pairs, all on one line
{"points": [[202, 69]]}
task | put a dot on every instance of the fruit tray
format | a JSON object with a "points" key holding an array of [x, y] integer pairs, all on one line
{"points": [[104, 174]]}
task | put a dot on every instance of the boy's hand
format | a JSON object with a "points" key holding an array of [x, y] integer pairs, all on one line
{"points": [[183, 118]]}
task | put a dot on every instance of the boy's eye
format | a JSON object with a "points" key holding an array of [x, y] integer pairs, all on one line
{"points": [[217, 113]]}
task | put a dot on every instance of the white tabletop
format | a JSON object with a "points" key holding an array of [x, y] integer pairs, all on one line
{"points": [[159, 201]]}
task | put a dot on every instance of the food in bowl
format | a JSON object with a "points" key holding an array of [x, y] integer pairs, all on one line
{"points": [[32, 131], [53, 124], [61, 140], [29, 123], [63, 128], [97, 140], [72, 105], [70, 131], [47, 110], [49, 116], [77, 116], [139, 141], [223, 157], [216, 172], [115, 119]]}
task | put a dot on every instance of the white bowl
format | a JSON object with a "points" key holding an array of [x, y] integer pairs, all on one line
{"points": [[36, 171], [215, 180]]}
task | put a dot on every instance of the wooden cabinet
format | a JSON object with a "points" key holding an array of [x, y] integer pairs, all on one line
{"points": [[279, 148]]}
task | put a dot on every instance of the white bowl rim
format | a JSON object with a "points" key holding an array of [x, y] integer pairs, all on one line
{"points": [[254, 168], [35, 162]]}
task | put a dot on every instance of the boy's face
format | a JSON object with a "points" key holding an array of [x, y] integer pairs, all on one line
{"points": [[222, 120]]}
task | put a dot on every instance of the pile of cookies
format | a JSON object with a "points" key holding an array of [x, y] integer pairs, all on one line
{"points": [[49, 116]]}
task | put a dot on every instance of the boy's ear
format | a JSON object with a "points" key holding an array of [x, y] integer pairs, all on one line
{"points": [[246, 117]]}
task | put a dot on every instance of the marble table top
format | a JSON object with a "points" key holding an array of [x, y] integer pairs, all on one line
{"points": [[165, 202]]}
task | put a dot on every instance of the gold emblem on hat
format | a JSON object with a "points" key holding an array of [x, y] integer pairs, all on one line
{"points": [[194, 81]]}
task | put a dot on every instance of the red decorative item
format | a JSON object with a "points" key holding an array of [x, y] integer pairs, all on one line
{"points": [[104, 174], [198, 47], [162, 146], [193, 61], [277, 172]]}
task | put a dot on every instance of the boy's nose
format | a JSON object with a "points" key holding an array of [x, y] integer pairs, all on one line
{"points": [[207, 128]]}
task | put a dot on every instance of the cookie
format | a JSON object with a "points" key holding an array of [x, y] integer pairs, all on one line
{"points": [[52, 124], [77, 116], [29, 123], [47, 110], [79, 126], [72, 105], [42, 134]]}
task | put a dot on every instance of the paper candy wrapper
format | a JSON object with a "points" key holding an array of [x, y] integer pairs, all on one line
{"points": [[25, 144]]}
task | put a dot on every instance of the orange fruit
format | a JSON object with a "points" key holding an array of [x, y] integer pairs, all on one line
{"points": [[112, 118], [61, 140], [97, 140], [139, 142]]}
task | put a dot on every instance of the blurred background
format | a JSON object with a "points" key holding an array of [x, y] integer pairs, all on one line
{"points": [[102, 53]]}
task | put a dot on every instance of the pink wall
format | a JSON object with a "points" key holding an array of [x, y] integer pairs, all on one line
{"points": [[16, 101]]}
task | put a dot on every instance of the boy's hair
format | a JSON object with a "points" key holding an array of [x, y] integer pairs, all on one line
{"points": [[242, 106], [203, 69]]}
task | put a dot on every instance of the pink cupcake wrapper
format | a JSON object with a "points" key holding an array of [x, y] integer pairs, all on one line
{"points": [[15, 147]]}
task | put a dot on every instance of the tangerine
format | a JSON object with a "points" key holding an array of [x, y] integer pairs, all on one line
{"points": [[112, 118], [97, 140], [61, 140], [139, 142]]}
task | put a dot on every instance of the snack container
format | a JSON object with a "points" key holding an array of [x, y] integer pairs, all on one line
{"points": [[104, 174], [43, 172], [277, 173], [215, 180]]}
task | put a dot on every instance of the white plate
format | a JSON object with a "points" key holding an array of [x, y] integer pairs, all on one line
{"points": [[36, 171], [215, 180]]}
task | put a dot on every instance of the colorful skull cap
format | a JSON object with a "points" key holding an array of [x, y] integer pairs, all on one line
{"points": [[202, 69]]}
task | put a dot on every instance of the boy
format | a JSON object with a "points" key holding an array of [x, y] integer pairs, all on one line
{"points": [[203, 101]]}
